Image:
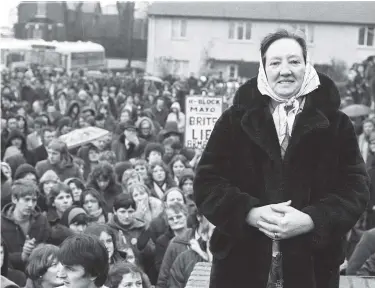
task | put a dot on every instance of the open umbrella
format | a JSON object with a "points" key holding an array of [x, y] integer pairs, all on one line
{"points": [[153, 79], [356, 110], [82, 136]]}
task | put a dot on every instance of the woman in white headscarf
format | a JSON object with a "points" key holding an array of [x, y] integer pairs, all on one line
{"points": [[281, 177]]}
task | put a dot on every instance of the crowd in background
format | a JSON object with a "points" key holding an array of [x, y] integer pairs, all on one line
{"points": [[132, 188]]}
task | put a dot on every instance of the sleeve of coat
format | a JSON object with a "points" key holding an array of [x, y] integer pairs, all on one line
{"points": [[223, 204], [168, 259], [368, 269], [176, 275], [335, 214]]}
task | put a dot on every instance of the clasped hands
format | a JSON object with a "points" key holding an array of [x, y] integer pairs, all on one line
{"points": [[280, 221]]}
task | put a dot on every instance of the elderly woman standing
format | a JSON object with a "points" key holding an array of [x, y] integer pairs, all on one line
{"points": [[281, 175]]}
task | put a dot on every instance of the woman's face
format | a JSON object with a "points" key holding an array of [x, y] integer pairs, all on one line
{"points": [[139, 196], [103, 111], [103, 184], [173, 197], [141, 170], [75, 110], [90, 204], [77, 228], [65, 130], [187, 187], [130, 257], [17, 142], [76, 191], [93, 155], [131, 280], [176, 221], [178, 167], [47, 186], [368, 127], [124, 116], [50, 278], [145, 128], [158, 174], [63, 201], [155, 156], [107, 241], [285, 67], [21, 123]]}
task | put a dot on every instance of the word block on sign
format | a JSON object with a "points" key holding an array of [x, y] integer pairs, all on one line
{"points": [[202, 112]]}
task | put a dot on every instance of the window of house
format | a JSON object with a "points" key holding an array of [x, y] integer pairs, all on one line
{"points": [[308, 31], [41, 8], [366, 36], [239, 30], [179, 28]]}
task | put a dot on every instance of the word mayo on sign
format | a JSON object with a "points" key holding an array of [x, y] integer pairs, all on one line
{"points": [[201, 115]]}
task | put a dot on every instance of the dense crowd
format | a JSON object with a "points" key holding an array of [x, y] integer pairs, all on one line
{"points": [[131, 189]]}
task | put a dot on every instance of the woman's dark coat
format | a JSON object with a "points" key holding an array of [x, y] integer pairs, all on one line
{"points": [[323, 173]]}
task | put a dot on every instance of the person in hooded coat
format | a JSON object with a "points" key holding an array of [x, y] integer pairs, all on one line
{"points": [[60, 161], [103, 179], [73, 112], [17, 139], [90, 154], [313, 179]]}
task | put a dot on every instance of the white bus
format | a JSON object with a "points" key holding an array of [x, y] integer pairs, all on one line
{"points": [[14, 51], [82, 55], [69, 55]]}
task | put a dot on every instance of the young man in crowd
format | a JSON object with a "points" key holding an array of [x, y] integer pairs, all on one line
{"points": [[23, 227], [83, 262], [40, 152]]}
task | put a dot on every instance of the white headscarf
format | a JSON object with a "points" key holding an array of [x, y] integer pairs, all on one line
{"points": [[280, 116]]}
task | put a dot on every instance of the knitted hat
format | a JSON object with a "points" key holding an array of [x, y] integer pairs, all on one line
{"points": [[187, 173], [70, 214], [23, 170], [49, 176], [176, 105]]}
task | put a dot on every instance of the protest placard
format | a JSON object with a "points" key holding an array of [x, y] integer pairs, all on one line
{"points": [[201, 115]]}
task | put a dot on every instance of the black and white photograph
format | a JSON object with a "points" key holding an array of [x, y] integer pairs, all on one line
{"points": [[187, 144]]}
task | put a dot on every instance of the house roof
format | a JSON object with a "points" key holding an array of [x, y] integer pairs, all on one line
{"points": [[324, 12]]}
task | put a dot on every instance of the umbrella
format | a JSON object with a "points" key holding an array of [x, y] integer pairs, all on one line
{"points": [[83, 136], [356, 110], [153, 78]]}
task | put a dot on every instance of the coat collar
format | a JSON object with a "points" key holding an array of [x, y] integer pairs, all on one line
{"points": [[257, 121]]}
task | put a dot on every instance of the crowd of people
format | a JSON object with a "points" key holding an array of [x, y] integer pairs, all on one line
{"points": [[117, 211], [120, 204]]}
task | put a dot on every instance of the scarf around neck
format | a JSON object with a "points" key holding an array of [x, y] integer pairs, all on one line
{"points": [[282, 118]]}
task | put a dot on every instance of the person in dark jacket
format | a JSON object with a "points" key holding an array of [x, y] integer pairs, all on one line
{"points": [[40, 152], [18, 140], [160, 111], [319, 169], [181, 243], [7, 271], [59, 199], [90, 154], [22, 225], [60, 161], [128, 145], [185, 262], [130, 228], [103, 179], [94, 204]]}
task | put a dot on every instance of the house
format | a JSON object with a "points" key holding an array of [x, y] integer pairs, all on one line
{"points": [[204, 37], [85, 21]]}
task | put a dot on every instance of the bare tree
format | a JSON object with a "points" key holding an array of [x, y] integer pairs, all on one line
{"points": [[126, 19]]}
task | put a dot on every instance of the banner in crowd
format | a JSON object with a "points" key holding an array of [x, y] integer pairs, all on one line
{"points": [[201, 115]]}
